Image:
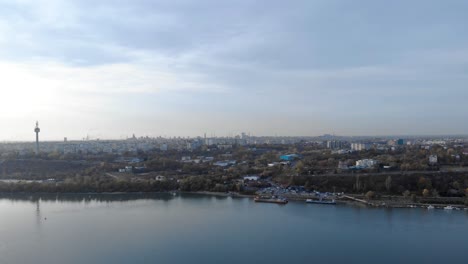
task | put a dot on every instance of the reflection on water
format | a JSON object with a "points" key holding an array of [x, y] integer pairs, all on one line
{"points": [[70, 197], [38, 213], [194, 228]]}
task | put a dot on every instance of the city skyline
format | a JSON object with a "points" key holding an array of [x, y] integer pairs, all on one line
{"points": [[269, 68], [230, 135]]}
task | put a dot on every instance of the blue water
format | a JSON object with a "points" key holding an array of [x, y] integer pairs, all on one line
{"points": [[206, 229]]}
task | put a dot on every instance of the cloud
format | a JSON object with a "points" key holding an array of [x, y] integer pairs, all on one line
{"points": [[169, 61]]}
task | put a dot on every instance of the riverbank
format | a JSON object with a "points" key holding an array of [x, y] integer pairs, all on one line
{"points": [[384, 201], [231, 194], [349, 200]]}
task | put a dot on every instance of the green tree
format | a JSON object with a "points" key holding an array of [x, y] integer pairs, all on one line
{"points": [[421, 183], [456, 185], [426, 192], [292, 181], [406, 193], [370, 195], [307, 186], [357, 185], [299, 167], [388, 183]]}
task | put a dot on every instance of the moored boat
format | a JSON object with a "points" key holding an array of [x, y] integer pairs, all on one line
{"points": [[270, 199], [448, 207], [321, 201], [430, 207]]}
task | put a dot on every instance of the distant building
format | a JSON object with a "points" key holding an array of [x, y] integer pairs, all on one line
{"points": [[335, 144], [224, 163], [163, 147], [290, 157], [273, 164], [208, 159], [396, 142], [190, 146], [433, 159], [360, 146], [128, 160], [341, 151], [226, 155], [160, 178], [251, 178], [366, 163], [221, 164], [342, 165], [126, 169], [243, 135], [135, 160], [224, 146]]}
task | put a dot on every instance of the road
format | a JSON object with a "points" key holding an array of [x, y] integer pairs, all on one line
{"points": [[112, 175]]}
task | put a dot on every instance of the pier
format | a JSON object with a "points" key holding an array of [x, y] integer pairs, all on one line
{"points": [[356, 199]]}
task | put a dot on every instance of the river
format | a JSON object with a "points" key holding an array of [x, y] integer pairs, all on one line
{"points": [[190, 228]]}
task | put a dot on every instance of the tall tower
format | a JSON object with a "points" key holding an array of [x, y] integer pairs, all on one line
{"points": [[37, 130]]}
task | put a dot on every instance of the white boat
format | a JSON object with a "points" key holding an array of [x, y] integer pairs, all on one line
{"points": [[430, 207], [448, 207]]}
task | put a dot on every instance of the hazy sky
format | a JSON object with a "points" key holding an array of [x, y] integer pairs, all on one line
{"points": [[111, 68]]}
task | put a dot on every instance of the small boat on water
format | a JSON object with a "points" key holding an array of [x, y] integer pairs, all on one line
{"points": [[270, 199], [321, 201], [430, 207], [448, 207]]}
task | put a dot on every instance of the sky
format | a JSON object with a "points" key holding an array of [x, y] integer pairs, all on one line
{"points": [[112, 68]]}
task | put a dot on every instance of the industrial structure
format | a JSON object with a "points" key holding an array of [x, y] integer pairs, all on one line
{"points": [[37, 130]]}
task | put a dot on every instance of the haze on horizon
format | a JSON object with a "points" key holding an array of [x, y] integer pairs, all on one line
{"points": [[109, 69]]}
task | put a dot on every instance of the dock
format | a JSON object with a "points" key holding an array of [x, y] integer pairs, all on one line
{"points": [[356, 199]]}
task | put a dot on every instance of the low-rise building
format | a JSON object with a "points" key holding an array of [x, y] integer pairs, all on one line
{"points": [[290, 157], [224, 163], [366, 163], [342, 165], [251, 178], [160, 178]]}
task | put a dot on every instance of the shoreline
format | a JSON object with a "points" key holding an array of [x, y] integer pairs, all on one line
{"points": [[125, 193], [221, 194], [339, 200]]}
